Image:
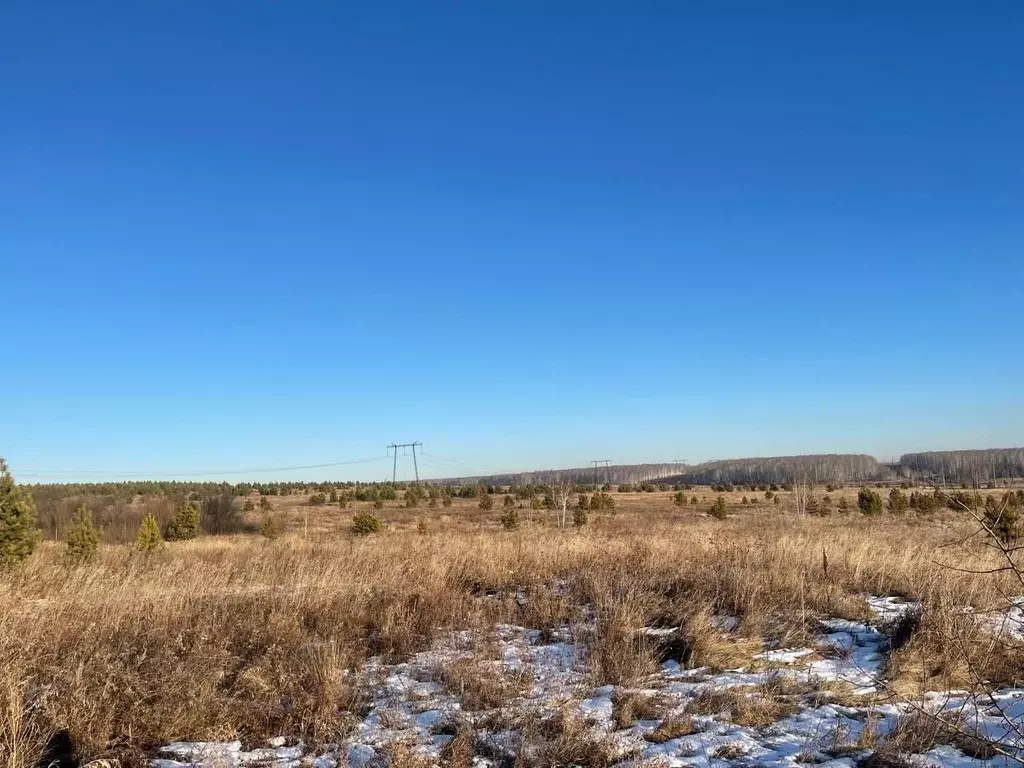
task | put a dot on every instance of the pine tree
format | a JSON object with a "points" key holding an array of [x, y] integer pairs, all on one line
{"points": [[365, 523], [869, 502], [486, 501], [579, 516], [718, 509], [897, 502], [82, 540], [679, 499], [19, 528], [149, 539], [264, 503], [1002, 520], [185, 523], [510, 519], [844, 505], [269, 528]]}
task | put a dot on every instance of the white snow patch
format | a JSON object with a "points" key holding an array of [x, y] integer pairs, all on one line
{"points": [[410, 705]]}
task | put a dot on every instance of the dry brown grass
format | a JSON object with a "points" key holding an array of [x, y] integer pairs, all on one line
{"points": [[565, 739], [630, 706], [672, 727], [240, 637], [742, 705]]}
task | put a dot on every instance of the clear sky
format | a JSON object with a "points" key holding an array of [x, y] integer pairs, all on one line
{"points": [[267, 234]]}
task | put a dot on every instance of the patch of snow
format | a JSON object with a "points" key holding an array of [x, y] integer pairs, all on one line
{"points": [[785, 655], [410, 705]]}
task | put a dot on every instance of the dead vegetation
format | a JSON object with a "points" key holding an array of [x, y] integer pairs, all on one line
{"points": [[743, 705], [672, 727], [240, 637]]}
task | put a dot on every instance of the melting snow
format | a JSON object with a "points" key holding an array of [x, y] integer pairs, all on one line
{"points": [[409, 705]]}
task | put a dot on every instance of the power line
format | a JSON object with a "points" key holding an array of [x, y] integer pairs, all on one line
{"points": [[596, 462], [394, 467]]}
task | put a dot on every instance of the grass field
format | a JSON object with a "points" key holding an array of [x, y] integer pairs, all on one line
{"points": [[238, 637]]}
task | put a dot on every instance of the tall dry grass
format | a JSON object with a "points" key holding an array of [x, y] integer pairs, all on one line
{"points": [[243, 638]]}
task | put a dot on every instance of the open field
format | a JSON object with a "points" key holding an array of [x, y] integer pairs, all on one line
{"points": [[457, 640]]}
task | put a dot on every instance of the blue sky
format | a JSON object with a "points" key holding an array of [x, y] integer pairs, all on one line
{"points": [[258, 235]]}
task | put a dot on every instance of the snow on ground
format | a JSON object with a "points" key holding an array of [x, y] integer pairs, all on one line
{"points": [[420, 704], [1009, 623]]}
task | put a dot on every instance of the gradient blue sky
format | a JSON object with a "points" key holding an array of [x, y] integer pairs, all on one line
{"points": [[259, 234]]}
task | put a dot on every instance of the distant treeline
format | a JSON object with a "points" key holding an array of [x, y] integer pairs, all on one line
{"points": [[951, 467], [966, 466], [622, 473], [840, 468]]}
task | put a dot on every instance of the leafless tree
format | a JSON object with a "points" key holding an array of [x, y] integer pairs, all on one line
{"points": [[562, 493]]}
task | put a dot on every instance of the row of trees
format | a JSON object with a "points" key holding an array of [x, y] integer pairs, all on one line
{"points": [[972, 467]]}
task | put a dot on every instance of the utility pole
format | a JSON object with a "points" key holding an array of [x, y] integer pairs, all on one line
{"points": [[394, 465], [596, 463]]}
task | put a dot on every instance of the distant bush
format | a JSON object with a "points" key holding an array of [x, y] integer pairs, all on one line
{"points": [[333, 498], [365, 523], [718, 509], [446, 500], [579, 516], [248, 506], [898, 503], [508, 502], [745, 500], [1002, 520], [149, 539], [185, 523], [378, 503], [82, 539], [317, 500], [924, 503], [869, 502], [961, 500], [693, 501], [844, 506], [264, 503], [625, 488], [679, 499], [19, 528], [486, 502], [269, 527], [510, 519]]}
